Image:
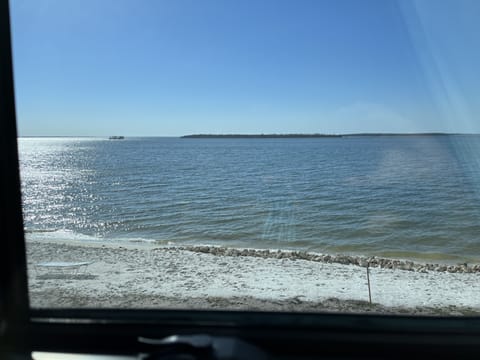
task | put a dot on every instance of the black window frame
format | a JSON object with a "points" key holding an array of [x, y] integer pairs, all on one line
{"points": [[13, 281], [23, 329]]}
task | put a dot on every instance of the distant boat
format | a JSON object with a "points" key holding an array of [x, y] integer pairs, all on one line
{"points": [[116, 137]]}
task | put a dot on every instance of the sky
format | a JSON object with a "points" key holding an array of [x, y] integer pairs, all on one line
{"points": [[176, 67]]}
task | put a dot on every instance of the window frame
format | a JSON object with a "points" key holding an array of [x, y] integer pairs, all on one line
{"points": [[116, 331], [14, 303]]}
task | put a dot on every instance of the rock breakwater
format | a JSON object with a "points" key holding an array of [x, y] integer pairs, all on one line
{"points": [[363, 261]]}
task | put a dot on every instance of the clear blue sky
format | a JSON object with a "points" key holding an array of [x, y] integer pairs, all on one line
{"points": [[167, 68]]}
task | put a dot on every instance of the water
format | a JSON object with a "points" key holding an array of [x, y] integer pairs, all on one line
{"points": [[406, 197]]}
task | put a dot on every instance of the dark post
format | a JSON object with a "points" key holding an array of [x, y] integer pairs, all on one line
{"points": [[368, 281]]}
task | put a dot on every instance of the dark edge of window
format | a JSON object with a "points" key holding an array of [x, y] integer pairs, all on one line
{"points": [[287, 334], [14, 305]]}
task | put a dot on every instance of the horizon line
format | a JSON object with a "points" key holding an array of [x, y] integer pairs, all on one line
{"points": [[262, 135]]}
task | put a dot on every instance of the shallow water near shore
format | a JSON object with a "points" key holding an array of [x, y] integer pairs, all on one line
{"points": [[398, 197]]}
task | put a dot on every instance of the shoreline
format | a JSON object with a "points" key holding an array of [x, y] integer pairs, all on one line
{"points": [[344, 259], [372, 261], [241, 279]]}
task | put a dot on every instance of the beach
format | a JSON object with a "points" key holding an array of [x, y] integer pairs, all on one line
{"points": [[219, 278]]}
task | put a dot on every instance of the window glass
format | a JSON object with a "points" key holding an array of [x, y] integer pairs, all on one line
{"points": [[250, 155]]}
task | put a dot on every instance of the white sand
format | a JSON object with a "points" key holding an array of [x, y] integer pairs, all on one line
{"points": [[145, 276]]}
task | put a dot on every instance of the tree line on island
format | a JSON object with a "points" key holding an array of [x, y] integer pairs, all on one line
{"points": [[258, 136], [274, 136]]}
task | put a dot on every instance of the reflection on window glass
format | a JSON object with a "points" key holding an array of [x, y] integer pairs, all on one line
{"points": [[250, 155]]}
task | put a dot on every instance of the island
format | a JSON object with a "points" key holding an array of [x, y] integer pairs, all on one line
{"points": [[256, 136], [282, 136]]}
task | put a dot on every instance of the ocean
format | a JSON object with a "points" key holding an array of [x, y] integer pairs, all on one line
{"points": [[407, 197]]}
